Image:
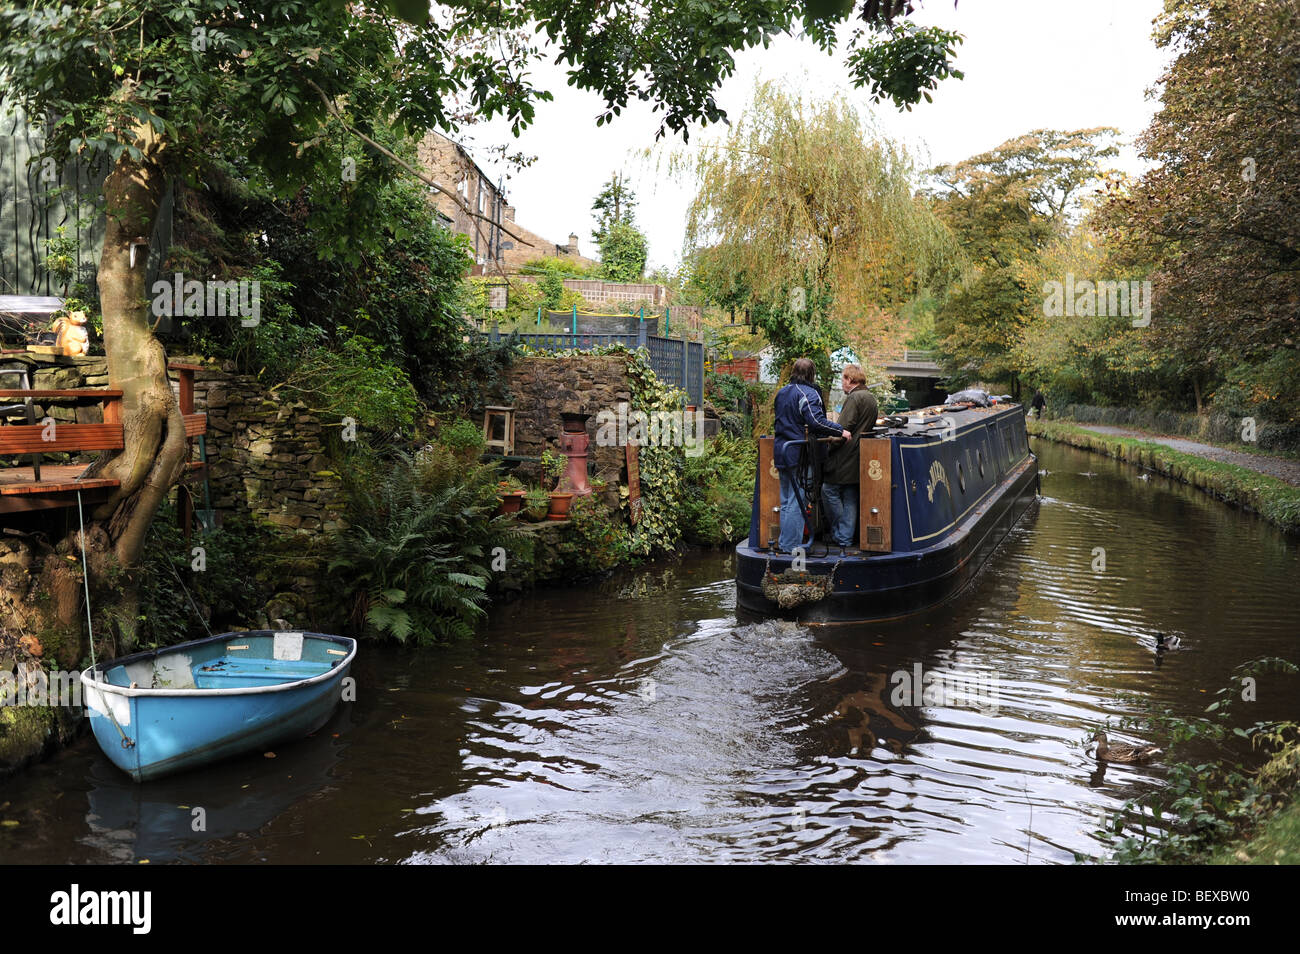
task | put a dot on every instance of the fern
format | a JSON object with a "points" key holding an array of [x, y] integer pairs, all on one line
{"points": [[413, 555]]}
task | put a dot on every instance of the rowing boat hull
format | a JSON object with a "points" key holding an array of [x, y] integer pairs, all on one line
{"points": [[154, 731]]}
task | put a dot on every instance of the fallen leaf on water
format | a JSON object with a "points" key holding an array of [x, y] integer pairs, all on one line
{"points": [[334, 736], [358, 837], [9, 823], [144, 861], [268, 755]]}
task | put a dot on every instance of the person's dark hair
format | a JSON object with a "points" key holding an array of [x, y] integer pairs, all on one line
{"points": [[803, 371]]}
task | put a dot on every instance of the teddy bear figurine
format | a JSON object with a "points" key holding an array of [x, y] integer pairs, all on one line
{"points": [[72, 338]]}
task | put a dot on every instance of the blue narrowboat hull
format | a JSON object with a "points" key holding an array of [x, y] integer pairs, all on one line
{"points": [[169, 710], [944, 530]]}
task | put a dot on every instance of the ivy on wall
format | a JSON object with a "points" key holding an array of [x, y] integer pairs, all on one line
{"points": [[662, 468]]}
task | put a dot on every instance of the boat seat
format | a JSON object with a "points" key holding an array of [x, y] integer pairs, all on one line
{"points": [[234, 672]]}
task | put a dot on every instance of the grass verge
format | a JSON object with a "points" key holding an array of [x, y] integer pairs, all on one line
{"points": [[1275, 500]]}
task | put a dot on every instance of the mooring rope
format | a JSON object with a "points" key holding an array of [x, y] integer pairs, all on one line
{"points": [[188, 597], [127, 743], [85, 579]]}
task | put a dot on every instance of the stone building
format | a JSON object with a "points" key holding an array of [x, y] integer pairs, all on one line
{"points": [[496, 250]]}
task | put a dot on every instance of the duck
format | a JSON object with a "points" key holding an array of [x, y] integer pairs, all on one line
{"points": [[1122, 751], [1161, 643]]}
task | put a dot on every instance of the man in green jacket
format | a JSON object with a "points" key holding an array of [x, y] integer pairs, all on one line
{"points": [[840, 474]]}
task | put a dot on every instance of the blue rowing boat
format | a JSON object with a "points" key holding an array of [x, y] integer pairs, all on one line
{"points": [[167, 710]]}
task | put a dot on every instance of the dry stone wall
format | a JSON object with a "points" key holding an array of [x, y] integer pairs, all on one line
{"points": [[267, 456], [545, 388]]}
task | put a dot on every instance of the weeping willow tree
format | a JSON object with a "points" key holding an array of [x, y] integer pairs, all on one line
{"points": [[806, 218]]}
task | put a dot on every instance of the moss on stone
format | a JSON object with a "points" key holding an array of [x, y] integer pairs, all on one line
{"points": [[24, 733]]}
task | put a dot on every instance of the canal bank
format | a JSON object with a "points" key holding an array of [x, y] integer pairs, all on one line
{"points": [[1272, 498]]}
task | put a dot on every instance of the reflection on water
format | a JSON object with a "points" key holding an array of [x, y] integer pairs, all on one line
{"points": [[639, 720]]}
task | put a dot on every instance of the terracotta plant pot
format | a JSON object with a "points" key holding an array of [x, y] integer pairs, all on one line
{"points": [[511, 501], [560, 506]]}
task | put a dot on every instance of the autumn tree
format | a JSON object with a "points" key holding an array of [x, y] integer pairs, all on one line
{"points": [[805, 218], [1005, 206], [1217, 212]]}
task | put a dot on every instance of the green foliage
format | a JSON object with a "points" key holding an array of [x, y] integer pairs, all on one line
{"points": [[241, 569], [60, 259], [1213, 215], [416, 556], [537, 503], [622, 253], [482, 377], [1011, 209], [276, 345], [1206, 803], [553, 464], [551, 263], [598, 538], [522, 301], [718, 488], [614, 205], [804, 217], [728, 391], [461, 436], [908, 65], [354, 380]]}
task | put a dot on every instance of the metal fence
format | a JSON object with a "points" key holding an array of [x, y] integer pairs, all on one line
{"points": [[36, 197], [679, 363]]}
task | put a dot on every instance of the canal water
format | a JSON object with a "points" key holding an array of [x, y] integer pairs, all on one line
{"points": [[638, 719]]}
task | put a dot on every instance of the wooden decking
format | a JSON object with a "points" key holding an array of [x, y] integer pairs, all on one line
{"points": [[57, 488], [59, 483]]}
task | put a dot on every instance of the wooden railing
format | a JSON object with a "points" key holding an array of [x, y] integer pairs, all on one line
{"points": [[19, 488]]}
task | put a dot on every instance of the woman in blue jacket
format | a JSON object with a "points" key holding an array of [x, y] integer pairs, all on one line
{"points": [[798, 405]]}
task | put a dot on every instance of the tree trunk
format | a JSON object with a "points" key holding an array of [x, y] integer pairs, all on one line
{"points": [[154, 446]]}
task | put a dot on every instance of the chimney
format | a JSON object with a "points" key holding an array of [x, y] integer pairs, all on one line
{"points": [[508, 211], [573, 243]]}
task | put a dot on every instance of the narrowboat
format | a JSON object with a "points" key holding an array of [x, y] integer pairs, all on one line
{"points": [[167, 710], [939, 489]]}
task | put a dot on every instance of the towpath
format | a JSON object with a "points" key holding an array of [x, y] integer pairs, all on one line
{"points": [[1279, 467]]}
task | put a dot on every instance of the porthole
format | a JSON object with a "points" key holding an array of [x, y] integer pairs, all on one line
{"points": [[979, 459], [961, 477]]}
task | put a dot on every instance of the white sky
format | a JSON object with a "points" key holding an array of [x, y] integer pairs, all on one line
{"points": [[1029, 64]]}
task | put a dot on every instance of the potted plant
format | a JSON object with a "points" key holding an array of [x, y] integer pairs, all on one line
{"points": [[537, 504], [559, 505], [553, 466], [511, 493]]}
